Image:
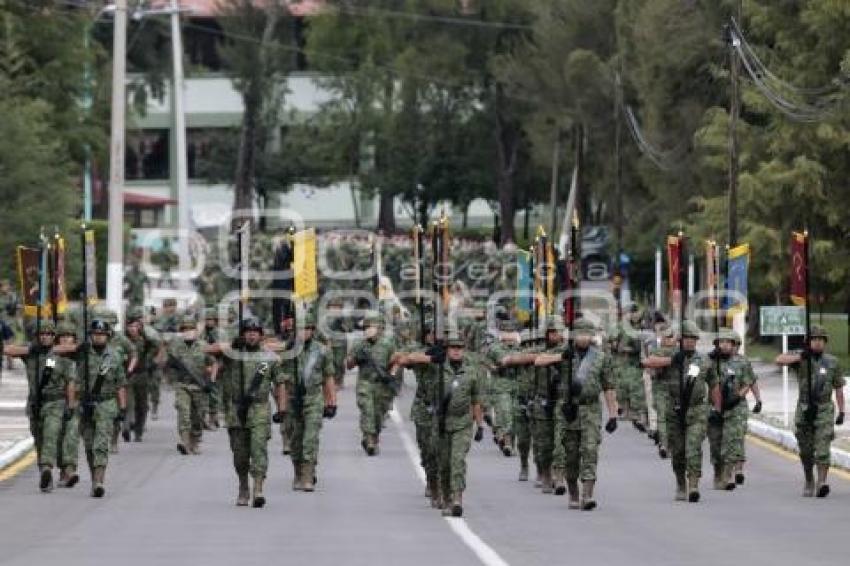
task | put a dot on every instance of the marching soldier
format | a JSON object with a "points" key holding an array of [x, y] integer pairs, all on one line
{"points": [[544, 397], [126, 352], [375, 384], [730, 376], [579, 413], [311, 390], [147, 345], [248, 378], [287, 336], [166, 325], [819, 375], [213, 334], [52, 394], [626, 349], [504, 383], [665, 346], [66, 336], [684, 376], [339, 326], [194, 369]]}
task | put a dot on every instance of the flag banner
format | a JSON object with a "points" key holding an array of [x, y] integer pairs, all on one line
{"points": [[29, 279], [524, 282], [799, 259], [90, 267], [282, 264], [60, 294], [674, 244], [304, 265], [712, 272], [737, 279]]}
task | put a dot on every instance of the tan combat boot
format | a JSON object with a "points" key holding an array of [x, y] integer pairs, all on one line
{"points": [[823, 487], [98, 475], [244, 491], [558, 482], [296, 478], [523, 470], [547, 481], [681, 487], [287, 449], [507, 445], [538, 481], [71, 476], [307, 477], [572, 488], [259, 498], [809, 486], [693, 487], [587, 501], [719, 482], [194, 445], [45, 482], [728, 479], [457, 505], [184, 443]]}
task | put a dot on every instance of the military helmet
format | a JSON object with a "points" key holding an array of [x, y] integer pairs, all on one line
{"points": [[170, 302], [135, 313], [99, 326], [310, 320], [372, 319], [818, 331], [188, 321], [690, 329], [65, 328], [251, 323], [554, 323], [46, 326], [665, 330], [456, 341], [728, 334], [508, 325], [584, 327], [210, 313]]}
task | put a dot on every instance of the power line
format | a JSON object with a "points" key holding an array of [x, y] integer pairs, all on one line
{"points": [[448, 20]]}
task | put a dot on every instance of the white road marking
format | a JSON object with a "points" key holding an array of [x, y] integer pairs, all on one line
{"points": [[459, 526]]}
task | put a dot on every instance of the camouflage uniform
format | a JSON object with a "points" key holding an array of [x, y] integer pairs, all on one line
{"points": [[135, 281], [660, 392], [374, 393], [338, 342], [422, 414], [70, 432], [631, 395], [147, 346], [543, 400], [213, 335], [166, 325], [522, 411], [504, 386], [125, 351], [190, 389]]}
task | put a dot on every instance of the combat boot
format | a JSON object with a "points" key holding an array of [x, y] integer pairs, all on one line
{"points": [[728, 481], [436, 498], [809, 486], [287, 448], [662, 452], [370, 445], [125, 434], [547, 481], [507, 446], [693, 488], [244, 491], [296, 478], [681, 487], [457, 506], [194, 445], [538, 482], [155, 412], [71, 476], [184, 443], [523, 470], [97, 482], [307, 477], [259, 498], [46, 480], [587, 501], [719, 482], [823, 487], [572, 488], [558, 482]]}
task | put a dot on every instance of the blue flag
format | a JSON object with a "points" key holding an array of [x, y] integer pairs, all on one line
{"points": [[736, 279], [524, 285]]}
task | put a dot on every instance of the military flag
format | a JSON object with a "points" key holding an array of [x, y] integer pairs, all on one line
{"points": [[282, 282], [737, 279], [31, 279], [524, 282], [90, 267], [799, 268], [58, 289], [304, 265], [713, 274], [674, 271]]}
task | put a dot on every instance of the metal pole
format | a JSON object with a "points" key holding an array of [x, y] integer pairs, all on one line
{"points": [[691, 278], [179, 125], [115, 263], [657, 279], [553, 191], [734, 114], [785, 383]]}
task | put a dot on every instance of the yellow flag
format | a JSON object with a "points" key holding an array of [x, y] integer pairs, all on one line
{"points": [[304, 265]]}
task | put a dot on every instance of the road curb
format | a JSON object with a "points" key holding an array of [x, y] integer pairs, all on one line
{"points": [[786, 440], [17, 451]]}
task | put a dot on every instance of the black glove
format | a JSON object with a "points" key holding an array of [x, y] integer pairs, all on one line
{"points": [[731, 402], [437, 354], [570, 411], [121, 416], [757, 407], [805, 354], [208, 388], [714, 417], [489, 420], [329, 412], [679, 358], [714, 354], [479, 433], [611, 425], [568, 353], [68, 413], [278, 417], [238, 343], [575, 389], [840, 420]]}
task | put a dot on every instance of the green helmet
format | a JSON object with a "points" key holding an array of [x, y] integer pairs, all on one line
{"points": [[508, 325], [584, 327], [99, 326], [818, 331], [251, 323], [665, 330], [456, 341], [310, 320], [65, 328], [135, 313], [110, 316], [729, 334], [373, 319], [46, 326], [690, 329], [210, 312], [555, 323], [188, 321]]}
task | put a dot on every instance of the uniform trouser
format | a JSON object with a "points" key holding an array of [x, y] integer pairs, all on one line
{"points": [[214, 398], [630, 390], [306, 429], [249, 444], [522, 430], [70, 440], [544, 441], [425, 438], [815, 438], [453, 446], [374, 401], [96, 432], [154, 386], [46, 432], [503, 401], [137, 404], [661, 399], [579, 442], [686, 444], [339, 351], [286, 427], [726, 440], [189, 400]]}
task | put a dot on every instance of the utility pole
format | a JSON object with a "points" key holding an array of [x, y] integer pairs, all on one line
{"points": [[618, 190], [553, 192], [115, 261], [182, 171], [734, 114]]}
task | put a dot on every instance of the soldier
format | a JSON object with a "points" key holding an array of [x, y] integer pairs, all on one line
{"points": [[542, 403], [287, 336], [135, 284], [128, 356], [194, 370], [579, 413], [148, 347], [504, 384], [309, 380], [686, 416], [818, 374], [339, 326], [375, 384], [459, 409], [213, 334], [52, 394], [66, 335], [626, 349], [730, 376], [104, 401], [248, 378], [664, 346]]}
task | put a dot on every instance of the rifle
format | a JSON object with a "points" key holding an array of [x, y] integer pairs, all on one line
{"points": [[39, 379], [246, 400], [570, 405], [438, 237], [418, 249]]}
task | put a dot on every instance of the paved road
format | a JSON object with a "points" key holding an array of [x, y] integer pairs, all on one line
{"points": [[165, 509]]}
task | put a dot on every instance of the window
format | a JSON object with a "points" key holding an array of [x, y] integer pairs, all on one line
{"points": [[147, 155]]}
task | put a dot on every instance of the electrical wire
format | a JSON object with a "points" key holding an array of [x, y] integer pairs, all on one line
{"points": [[662, 159]]}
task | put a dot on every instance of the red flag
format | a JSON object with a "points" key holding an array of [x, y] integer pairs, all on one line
{"points": [[673, 271], [799, 266]]}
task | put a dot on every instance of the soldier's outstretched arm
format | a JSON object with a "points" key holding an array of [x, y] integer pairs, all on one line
{"points": [[716, 398], [543, 360], [657, 362], [788, 359], [16, 350], [518, 360]]}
